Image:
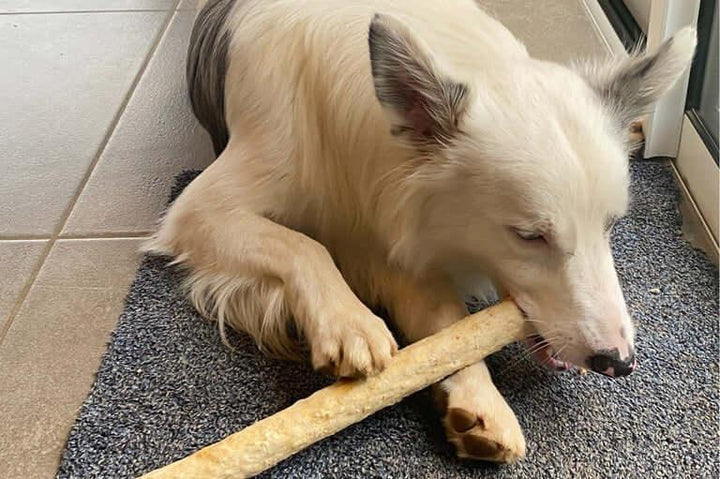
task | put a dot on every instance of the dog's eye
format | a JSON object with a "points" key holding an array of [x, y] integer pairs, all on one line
{"points": [[529, 235]]}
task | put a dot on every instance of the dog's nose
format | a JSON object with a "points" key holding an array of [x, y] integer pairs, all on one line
{"points": [[608, 362]]}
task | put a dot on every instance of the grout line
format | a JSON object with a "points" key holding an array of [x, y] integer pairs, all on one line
{"points": [[25, 291], [80, 236], [107, 235], [68, 210], [28, 237], [71, 12]]}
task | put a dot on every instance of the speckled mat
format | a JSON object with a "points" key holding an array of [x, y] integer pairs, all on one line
{"points": [[168, 387]]}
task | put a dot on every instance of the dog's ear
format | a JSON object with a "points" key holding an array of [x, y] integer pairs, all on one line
{"points": [[424, 105], [631, 85]]}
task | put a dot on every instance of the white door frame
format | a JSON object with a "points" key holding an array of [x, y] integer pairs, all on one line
{"points": [[663, 126]]}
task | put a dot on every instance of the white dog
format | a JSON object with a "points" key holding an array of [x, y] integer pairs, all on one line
{"points": [[401, 154]]}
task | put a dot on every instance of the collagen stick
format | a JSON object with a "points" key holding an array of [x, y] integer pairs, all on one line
{"points": [[330, 410]]}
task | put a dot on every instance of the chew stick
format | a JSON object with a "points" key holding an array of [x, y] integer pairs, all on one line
{"points": [[267, 442]]}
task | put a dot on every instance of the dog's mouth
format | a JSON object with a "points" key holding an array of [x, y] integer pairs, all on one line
{"points": [[545, 354]]}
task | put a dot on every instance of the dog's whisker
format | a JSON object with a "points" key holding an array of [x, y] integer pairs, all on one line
{"points": [[526, 353], [554, 356], [560, 350]]}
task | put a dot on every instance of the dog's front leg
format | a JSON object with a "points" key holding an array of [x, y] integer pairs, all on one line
{"points": [[477, 419], [214, 231]]}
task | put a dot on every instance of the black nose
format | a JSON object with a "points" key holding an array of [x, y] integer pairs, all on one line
{"points": [[608, 362]]}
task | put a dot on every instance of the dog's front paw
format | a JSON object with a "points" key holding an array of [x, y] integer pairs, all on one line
{"points": [[477, 420], [477, 436], [352, 343]]}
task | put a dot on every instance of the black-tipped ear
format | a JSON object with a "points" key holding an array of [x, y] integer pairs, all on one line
{"points": [[630, 86], [424, 106]]}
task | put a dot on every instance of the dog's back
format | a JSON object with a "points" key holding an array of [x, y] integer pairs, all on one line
{"points": [[296, 75]]}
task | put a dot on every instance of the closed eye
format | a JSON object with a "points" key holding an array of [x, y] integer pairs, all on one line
{"points": [[527, 235]]}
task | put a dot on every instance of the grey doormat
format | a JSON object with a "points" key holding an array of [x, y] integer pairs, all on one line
{"points": [[167, 386]]}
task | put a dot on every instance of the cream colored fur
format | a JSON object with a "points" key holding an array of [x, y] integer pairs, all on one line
{"points": [[315, 212]]}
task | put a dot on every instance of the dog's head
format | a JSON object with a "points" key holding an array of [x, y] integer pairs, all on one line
{"points": [[522, 172]]}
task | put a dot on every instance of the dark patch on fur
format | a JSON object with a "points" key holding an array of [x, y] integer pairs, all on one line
{"points": [[206, 69]]}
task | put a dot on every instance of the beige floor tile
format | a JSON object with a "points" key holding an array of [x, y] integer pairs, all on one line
{"points": [[64, 76], [17, 261], [17, 6], [188, 5], [53, 348], [557, 30], [156, 138]]}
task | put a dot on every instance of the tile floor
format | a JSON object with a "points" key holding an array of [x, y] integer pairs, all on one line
{"points": [[94, 125]]}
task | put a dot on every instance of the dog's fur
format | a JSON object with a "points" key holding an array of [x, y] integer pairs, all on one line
{"points": [[403, 153]]}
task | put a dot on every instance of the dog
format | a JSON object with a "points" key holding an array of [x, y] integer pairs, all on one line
{"points": [[402, 154]]}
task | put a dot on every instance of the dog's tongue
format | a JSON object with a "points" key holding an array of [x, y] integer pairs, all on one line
{"points": [[544, 354]]}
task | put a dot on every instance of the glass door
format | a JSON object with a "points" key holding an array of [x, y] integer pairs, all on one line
{"points": [[702, 101]]}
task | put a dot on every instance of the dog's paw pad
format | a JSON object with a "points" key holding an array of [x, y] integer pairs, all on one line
{"points": [[461, 420], [473, 439], [482, 447]]}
